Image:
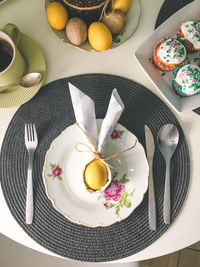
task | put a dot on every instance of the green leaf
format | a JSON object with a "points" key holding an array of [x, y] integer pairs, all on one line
{"points": [[124, 180], [117, 208], [120, 132], [131, 194], [123, 195], [114, 175], [127, 203], [52, 166], [50, 175], [116, 39], [59, 177], [124, 176]]}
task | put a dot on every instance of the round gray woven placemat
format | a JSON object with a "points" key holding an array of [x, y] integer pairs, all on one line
{"points": [[52, 112], [168, 8]]}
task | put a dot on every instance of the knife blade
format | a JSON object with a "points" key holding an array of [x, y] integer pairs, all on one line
{"points": [[150, 147]]}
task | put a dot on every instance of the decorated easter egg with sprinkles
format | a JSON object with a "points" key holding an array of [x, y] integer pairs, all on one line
{"points": [[189, 34], [169, 54], [186, 80]]}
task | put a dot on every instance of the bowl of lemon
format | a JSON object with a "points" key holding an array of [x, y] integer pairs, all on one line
{"points": [[93, 25]]}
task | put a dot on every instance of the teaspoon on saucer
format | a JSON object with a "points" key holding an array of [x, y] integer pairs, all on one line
{"points": [[26, 81]]}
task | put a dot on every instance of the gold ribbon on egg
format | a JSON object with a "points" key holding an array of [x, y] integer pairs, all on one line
{"points": [[95, 152]]}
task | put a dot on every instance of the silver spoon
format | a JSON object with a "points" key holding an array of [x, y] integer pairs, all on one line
{"points": [[26, 81], [167, 138]]}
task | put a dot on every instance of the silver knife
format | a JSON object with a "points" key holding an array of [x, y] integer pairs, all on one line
{"points": [[150, 147]]}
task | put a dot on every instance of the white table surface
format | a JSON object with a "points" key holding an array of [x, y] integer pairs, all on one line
{"points": [[64, 61]]}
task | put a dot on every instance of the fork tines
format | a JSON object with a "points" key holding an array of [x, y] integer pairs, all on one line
{"points": [[30, 132]]}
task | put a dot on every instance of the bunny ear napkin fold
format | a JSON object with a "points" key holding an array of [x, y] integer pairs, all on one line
{"points": [[84, 110]]}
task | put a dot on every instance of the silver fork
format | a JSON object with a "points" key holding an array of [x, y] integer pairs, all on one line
{"points": [[31, 141]]}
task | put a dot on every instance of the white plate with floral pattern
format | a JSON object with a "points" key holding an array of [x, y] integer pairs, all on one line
{"points": [[65, 188]]}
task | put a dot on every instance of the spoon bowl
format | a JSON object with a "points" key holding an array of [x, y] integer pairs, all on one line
{"points": [[167, 139], [28, 80]]}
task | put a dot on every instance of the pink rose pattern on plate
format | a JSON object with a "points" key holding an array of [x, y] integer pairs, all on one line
{"points": [[117, 134], [56, 171], [116, 192]]}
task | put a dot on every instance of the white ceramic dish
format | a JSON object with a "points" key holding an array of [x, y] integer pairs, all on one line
{"points": [[63, 180], [145, 51], [132, 22]]}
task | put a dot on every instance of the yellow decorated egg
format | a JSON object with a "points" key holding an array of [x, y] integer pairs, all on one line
{"points": [[122, 5], [95, 174], [99, 36], [57, 15]]}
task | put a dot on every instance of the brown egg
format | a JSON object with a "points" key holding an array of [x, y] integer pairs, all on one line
{"points": [[115, 20], [76, 31]]}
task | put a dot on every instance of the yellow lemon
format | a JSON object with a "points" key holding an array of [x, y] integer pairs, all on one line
{"points": [[96, 174], [122, 5], [99, 36], [57, 15]]}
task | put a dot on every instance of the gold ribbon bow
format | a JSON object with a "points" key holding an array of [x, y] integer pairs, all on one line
{"points": [[103, 12], [95, 152]]}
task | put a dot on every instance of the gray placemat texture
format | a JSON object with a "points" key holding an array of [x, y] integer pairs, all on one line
{"points": [[168, 8], [52, 112]]}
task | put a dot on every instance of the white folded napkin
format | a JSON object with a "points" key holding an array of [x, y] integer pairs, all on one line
{"points": [[84, 110]]}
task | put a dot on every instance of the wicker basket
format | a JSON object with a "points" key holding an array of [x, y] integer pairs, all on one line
{"points": [[88, 10]]}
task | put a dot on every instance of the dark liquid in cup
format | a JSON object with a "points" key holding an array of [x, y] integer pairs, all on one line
{"points": [[6, 54]]}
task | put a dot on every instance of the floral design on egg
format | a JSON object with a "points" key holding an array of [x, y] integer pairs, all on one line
{"points": [[56, 171], [117, 134], [116, 195]]}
